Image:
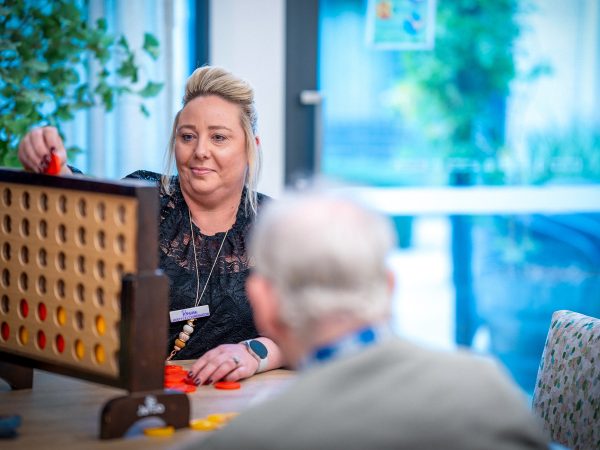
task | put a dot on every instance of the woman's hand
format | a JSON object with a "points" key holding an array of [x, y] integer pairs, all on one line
{"points": [[229, 362], [39, 146]]}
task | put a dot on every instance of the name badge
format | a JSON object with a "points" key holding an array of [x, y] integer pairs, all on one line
{"points": [[189, 313]]}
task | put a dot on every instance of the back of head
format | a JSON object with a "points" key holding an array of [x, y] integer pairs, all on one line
{"points": [[325, 255]]}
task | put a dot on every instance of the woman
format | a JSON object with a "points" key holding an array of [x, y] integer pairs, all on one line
{"points": [[206, 213]]}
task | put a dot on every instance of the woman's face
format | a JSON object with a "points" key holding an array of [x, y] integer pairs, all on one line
{"points": [[210, 149]]}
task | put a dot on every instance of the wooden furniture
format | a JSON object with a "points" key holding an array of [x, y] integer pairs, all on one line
{"points": [[81, 293], [62, 412]]}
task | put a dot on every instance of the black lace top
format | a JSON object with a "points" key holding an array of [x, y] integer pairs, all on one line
{"points": [[230, 319]]}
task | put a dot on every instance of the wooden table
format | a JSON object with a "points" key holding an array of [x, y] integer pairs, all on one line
{"points": [[63, 412]]}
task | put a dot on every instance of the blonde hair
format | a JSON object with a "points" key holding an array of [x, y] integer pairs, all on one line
{"points": [[210, 80]]}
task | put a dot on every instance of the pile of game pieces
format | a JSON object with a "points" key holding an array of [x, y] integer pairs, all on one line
{"points": [[212, 421], [209, 423], [176, 378]]}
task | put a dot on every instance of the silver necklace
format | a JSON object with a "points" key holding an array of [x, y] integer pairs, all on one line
{"points": [[188, 328]]}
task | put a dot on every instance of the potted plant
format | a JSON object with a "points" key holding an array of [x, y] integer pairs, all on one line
{"points": [[46, 49]]}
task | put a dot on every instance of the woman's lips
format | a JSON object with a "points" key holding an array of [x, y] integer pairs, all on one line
{"points": [[198, 171]]}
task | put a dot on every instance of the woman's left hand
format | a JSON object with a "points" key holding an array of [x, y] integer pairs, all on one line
{"points": [[229, 362]]}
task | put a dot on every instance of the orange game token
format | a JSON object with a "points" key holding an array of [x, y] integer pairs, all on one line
{"points": [[227, 385], [54, 165], [172, 368]]}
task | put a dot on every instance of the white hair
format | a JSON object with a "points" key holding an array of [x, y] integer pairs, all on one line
{"points": [[325, 254]]}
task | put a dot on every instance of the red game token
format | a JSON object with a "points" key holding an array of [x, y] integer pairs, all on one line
{"points": [[173, 368], [227, 385], [54, 165]]}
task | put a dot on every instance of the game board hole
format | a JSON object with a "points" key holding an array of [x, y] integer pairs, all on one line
{"points": [[82, 207], [121, 215], [5, 331], [79, 349], [60, 289], [99, 354], [61, 234], [23, 308], [25, 228], [23, 336], [79, 320], [59, 343], [5, 304], [100, 296], [101, 211], [24, 255], [100, 240], [62, 204], [41, 340], [100, 325], [80, 265], [42, 257], [80, 293], [61, 261], [7, 197], [81, 236], [120, 243], [42, 311], [7, 224], [43, 229], [61, 316], [43, 202], [100, 269], [25, 200], [6, 251], [41, 285], [5, 278], [119, 271], [23, 282]]}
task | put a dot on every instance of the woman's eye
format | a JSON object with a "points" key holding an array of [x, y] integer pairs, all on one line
{"points": [[219, 137], [187, 137]]}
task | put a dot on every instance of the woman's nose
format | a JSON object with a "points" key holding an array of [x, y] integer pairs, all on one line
{"points": [[202, 150]]}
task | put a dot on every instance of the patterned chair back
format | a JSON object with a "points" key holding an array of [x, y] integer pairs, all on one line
{"points": [[567, 389]]}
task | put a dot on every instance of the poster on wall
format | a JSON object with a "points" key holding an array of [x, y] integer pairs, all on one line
{"points": [[400, 24]]}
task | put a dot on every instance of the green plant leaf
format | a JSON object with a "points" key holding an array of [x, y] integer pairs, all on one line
{"points": [[151, 89], [151, 45], [144, 110], [45, 48]]}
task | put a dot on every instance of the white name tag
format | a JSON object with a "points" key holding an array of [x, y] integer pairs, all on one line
{"points": [[189, 313]]}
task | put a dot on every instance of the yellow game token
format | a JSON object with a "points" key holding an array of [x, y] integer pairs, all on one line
{"points": [[221, 417], [159, 431], [203, 425]]}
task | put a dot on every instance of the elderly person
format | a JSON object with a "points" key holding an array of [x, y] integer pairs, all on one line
{"points": [[321, 289], [207, 210]]}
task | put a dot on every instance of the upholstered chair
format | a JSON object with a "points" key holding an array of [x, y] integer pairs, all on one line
{"points": [[567, 389]]}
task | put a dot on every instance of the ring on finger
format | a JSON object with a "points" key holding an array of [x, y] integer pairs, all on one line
{"points": [[236, 359]]}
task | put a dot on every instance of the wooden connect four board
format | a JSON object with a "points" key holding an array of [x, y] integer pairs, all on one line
{"points": [[69, 249]]}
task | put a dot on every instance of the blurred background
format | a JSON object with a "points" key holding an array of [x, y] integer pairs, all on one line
{"points": [[474, 124]]}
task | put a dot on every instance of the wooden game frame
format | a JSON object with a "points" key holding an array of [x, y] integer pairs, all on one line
{"points": [[136, 343]]}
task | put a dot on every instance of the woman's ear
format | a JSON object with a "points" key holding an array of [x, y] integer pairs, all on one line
{"points": [[257, 140]]}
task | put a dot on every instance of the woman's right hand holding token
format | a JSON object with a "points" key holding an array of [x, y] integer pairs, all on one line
{"points": [[42, 151]]}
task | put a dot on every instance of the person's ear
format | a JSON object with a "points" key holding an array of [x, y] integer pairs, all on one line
{"points": [[265, 305], [257, 140], [391, 281]]}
